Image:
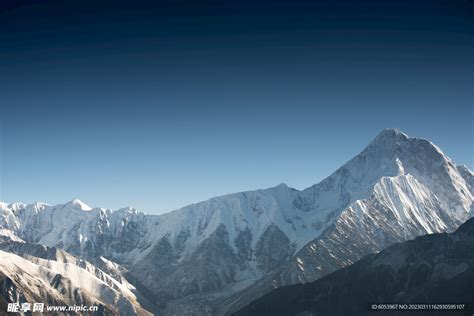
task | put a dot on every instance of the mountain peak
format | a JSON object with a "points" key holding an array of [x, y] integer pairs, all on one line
{"points": [[76, 203], [391, 133], [393, 142], [388, 139]]}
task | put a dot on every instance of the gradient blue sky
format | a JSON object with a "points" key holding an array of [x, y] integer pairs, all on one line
{"points": [[158, 104]]}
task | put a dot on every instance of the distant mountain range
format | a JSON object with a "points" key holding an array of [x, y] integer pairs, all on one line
{"points": [[216, 256], [433, 269]]}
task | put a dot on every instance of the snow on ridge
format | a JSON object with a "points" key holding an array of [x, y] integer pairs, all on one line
{"points": [[409, 199], [76, 203], [466, 169], [45, 272]]}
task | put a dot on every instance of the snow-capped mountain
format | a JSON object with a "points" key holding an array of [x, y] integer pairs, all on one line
{"points": [[218, 255]]}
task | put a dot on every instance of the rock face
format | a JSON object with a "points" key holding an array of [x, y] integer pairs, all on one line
{"points": [[216, 256], [35, 273], [437, 268]]}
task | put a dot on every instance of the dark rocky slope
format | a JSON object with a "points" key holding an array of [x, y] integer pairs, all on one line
{"points": [[436, 268]]}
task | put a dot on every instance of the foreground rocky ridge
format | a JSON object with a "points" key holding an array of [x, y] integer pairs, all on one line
{"points": [[437, 268], [32, 273]]}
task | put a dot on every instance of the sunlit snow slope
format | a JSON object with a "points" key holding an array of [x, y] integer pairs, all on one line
{"points": [[35, 273]]}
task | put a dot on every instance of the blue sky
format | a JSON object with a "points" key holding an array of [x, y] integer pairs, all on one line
{"points": [[160, 104]]}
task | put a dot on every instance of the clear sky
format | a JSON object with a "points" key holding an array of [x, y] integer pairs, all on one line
{"points": [[158, 104]]}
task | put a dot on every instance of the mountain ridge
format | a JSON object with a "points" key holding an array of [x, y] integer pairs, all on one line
{"points": [[276, 236]]}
